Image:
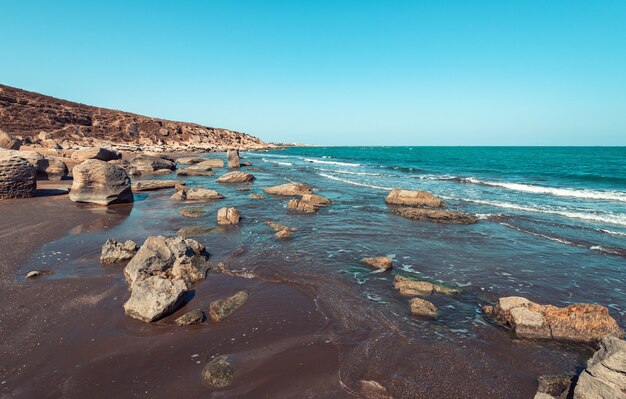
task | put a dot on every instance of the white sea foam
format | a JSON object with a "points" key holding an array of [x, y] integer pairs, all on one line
{"points": [[354, 183], [277, 162], [348, 172], [606, 217], [562, 192], [332, 162]]}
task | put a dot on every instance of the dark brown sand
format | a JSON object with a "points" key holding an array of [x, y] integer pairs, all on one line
{"points": [[70, 337]]}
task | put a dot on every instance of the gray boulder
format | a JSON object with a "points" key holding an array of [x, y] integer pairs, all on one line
{"points": [[605, 375], [155, 297], [100, 183]]}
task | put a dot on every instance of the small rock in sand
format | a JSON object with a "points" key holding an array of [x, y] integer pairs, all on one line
{"points": [[218, 373], [114, 251], [189, 318], [382, 262], [33, 274], [223, 308]]}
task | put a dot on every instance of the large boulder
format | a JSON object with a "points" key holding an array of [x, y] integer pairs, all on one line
{"points": [[410, 287], [221, 309], [100, 183], [236, 177], [228, 216], [100, 153], [150, 164], [9, 142], [413, 198], [233, 159], [196, 194], [605, 375], [155, 297], [574, 323], [436, 215], [289, 189], [114, 251], [173, 258], [48, 167], [17, 177]]}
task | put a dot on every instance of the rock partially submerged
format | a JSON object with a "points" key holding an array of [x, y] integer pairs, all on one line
{"points": [[214, 162], [575, 323], [381, 262], [555, 387], [189, 160], [100, 153], [410, 287], [218, 373], [150, 185], [100, 183], [236, 177], [256, 196], [114, 251], [308, 203], [422, 308], [436, 215], [196, 194], [150, 164], [221, 309], [289, 189], [200, 169], [413, 198], [194, 231], [173, 258], [160, 275], [233, 159], [17, 177], [193, 317], [227, 216], [191, 212], [282, 232]]}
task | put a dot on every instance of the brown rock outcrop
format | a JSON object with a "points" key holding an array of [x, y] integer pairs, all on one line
{"points": [[221, 309], [9, 142], [103, 154], [196, 194], [150, 185], [26, 114], [422, 308], [576, 323], [410, 287]]}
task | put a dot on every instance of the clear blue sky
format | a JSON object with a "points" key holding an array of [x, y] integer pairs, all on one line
{"points": [[337, 72]]}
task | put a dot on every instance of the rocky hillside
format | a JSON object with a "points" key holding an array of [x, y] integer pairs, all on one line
{"points": [[26, 114]]}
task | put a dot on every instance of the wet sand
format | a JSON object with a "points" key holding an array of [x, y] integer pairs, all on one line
{"points": [[303, 333], [70, 337]]}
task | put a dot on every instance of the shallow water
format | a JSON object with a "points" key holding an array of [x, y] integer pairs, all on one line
{"points": [[552, 228]]}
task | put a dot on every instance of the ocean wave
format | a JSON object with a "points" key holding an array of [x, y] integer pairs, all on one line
{"points": [[561, 192], [347, 172], [277, 162], [332, 162], [609, 218], [354, 183]]}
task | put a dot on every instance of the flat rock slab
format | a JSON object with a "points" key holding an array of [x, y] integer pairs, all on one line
{"points": [[219, 310], [289, 189], [413, 198], [236, 177], [149, 185], [436, 215]]}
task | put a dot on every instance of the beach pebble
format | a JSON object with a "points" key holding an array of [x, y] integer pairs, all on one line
{"points": [[33, 274], [193, 317], [218, 373]]}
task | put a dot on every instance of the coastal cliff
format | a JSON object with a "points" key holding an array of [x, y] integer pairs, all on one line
{"points": [[52, 122]]}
